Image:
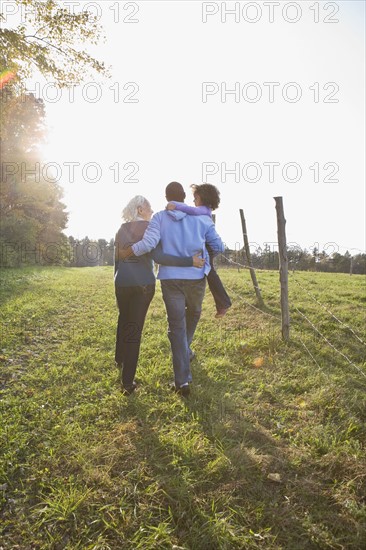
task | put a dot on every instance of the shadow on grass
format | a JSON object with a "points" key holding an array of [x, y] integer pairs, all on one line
{"points": [[227, 500]]}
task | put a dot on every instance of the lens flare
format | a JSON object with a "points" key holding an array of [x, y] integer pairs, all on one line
{"points": [[5, 78]]}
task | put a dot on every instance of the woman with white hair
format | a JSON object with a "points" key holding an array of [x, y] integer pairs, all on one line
{"points": [[134, 281]]}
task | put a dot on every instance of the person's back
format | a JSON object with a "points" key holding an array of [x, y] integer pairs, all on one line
{"points": [[137, 271], [207, 199], [180, 235], [183, 288]]}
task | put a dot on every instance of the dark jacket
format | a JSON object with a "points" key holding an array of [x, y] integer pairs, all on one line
{"points": [[138, 271]]}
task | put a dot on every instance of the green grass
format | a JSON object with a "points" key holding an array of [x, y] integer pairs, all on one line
{"points": [[85, 467]]}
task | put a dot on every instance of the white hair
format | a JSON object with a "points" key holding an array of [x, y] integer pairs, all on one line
{"points": [[130, 212]]}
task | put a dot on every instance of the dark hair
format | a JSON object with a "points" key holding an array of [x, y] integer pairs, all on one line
{"points": [[175, 192], [209, 194]]}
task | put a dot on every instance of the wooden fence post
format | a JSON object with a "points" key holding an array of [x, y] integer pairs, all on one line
{"points": [[282, 249], [249, 259]]}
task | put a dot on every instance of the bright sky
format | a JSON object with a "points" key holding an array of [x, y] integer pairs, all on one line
{"points": [[174, 131]]}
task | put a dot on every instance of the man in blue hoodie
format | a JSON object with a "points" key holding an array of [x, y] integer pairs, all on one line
{"points": [[183, 288]]}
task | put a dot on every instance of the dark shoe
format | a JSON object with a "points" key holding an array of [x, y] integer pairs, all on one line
{"points": [[184, 390], [128, 390]]}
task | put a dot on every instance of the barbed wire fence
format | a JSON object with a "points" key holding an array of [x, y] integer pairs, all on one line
{"points": [[278, 318], [298, 332], [327, 310], [297, 325]]}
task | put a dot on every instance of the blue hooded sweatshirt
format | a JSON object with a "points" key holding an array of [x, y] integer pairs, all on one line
{"points": [[180, 235]]}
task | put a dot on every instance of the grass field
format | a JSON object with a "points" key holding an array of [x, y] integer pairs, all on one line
{"points": [[267, 453]]}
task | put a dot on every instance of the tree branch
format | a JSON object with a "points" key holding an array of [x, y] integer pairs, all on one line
{"points": [[46, 42]]}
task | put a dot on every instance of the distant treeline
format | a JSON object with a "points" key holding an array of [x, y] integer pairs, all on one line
{"points": [[299, 259], [67, 252], [86, 252]]}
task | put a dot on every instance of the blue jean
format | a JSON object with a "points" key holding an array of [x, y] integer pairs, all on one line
{"points": [[183, 301]]}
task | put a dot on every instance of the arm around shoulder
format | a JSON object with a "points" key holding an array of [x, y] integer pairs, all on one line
{"points": [[193, 210], [150, 239]]}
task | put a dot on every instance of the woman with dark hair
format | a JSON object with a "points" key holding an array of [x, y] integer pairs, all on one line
{"points": [[134, 281], [207, 199]]}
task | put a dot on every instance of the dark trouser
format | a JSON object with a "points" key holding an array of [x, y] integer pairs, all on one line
{"points": [[133, 303], [217, 289], [183, 301]]}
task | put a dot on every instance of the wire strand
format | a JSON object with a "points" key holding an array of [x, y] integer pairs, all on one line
{"points": [[328, 311], [330, 344]]}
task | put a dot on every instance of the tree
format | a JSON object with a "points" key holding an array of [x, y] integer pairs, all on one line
{"points": [[43, 36], [22, 123], [48, 38], [32, 214], [325, 262], [341, 264], [359, 264], [314, 261], [269, 259]]}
